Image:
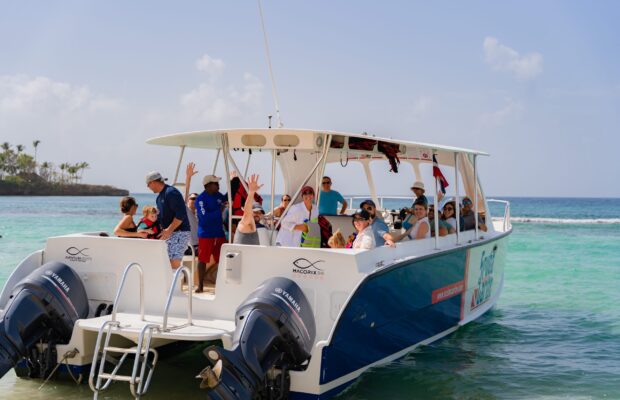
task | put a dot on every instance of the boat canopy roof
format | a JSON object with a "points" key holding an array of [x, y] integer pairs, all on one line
{"points": [[298, 139]]}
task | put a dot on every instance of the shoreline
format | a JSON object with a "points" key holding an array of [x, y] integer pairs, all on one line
{"points": [[57, 189]]}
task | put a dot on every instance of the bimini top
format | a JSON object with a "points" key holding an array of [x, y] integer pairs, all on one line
{"points": [[298, 139]]}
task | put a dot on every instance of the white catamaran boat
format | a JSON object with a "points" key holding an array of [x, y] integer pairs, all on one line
{"points": [[302, 323]]}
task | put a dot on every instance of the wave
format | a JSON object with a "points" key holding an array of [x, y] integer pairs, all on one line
{"points": [[543, 220]]}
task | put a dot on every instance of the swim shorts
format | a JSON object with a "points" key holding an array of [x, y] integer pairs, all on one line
{"points": [[177, 244]]}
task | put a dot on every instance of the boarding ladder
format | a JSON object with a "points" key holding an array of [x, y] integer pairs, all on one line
{"points": [[145, 358]]}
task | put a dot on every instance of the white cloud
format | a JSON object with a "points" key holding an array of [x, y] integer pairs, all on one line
{"points": [[503, 58], [214, 102], [212, 66], [21, 94], [511, 111]]}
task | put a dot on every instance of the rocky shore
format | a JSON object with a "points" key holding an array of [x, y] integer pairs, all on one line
{"points": [[58, 189]]}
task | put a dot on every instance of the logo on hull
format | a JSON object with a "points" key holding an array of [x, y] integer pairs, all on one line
{"points": [[485, 282], [77, 255], [305, 268]]}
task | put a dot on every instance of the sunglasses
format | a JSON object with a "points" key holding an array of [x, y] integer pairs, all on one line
{"points": [[307, 192], [192, 198], [286, 199], [326, 183]]}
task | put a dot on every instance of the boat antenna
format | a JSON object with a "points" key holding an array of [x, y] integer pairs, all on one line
{"points": [[274, 91]]}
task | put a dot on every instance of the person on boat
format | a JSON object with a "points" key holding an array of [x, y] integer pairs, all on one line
{"points": [[190, 203], [126, 227], [247, 228], [365, 238], [420, 230], [149, 223], [328, 202], [295, 222], [284, 202], [172, 217], [467, 217], [378, 225], [418, 190], [407, 215], [209, 206], [449, 215], [337, 240], [444, 228]]}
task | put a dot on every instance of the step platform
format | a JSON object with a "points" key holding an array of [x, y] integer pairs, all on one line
{"points": [[177, 328]]}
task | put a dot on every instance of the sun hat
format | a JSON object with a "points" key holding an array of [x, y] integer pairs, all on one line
{"points": [[210, 179], [418, 185], [153, 176]]}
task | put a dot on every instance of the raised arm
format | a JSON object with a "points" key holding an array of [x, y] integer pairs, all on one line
{"points": [[190, 171], [247, 224]]}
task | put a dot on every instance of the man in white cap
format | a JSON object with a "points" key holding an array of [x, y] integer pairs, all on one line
{"points": [[172, 217], [209, 206]]}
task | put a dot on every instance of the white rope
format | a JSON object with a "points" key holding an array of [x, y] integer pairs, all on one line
{"points": [[273, 82]]}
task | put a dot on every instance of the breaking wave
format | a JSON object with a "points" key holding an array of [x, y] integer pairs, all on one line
{"points": [[538, 220]]}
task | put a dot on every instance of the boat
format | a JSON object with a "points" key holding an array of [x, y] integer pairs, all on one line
{"points": [[282, 322]]}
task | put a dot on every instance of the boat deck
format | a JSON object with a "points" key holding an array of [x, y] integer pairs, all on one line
{"points": [[131, 325]]}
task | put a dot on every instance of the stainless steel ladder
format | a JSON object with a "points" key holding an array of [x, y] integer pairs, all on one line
{"points": [[138, 383]]}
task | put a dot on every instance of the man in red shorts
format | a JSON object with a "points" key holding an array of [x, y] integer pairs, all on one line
{"points": [[209, 206]]}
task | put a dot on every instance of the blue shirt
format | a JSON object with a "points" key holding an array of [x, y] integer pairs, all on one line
{"points": [[209, 212], [170, 205], [329, 202], [379, 228]]}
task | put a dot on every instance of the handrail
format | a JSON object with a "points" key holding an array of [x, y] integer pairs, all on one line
{"points": [[506, 218], [122, 284], [190, 281]]}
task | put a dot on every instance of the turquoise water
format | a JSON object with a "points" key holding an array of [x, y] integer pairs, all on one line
{"points": [[555, 333]]}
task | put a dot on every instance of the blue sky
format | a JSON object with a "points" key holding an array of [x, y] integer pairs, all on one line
{"points": [[536, 84]]}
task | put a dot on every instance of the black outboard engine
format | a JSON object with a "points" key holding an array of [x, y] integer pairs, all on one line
{"points": [[275, 332], [43, 307]]}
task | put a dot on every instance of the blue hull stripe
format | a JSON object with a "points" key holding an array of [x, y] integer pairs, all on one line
{"points": [[393, 310]]}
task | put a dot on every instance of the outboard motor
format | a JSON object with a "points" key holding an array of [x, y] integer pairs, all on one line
{"points": [[43, 307], [275, 333]]}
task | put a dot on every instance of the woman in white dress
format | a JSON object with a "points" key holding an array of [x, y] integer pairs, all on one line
{"points": [[296, 220], [365, 238]]}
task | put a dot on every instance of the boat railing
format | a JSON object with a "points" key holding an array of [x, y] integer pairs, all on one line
{"points": [[506, 218], [122, 284], [190, 284]]}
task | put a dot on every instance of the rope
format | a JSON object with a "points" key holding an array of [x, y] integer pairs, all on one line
{"points": [[68, 354], [273, 82]]}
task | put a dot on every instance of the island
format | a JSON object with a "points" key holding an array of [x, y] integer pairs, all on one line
{"points": [[22, 175]]}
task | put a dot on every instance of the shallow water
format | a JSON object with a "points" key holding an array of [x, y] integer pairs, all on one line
{"points": [[554, 334]]}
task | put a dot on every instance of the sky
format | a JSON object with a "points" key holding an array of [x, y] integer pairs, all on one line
{"points": [[535, 84]]}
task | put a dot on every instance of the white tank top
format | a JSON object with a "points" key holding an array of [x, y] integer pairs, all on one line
{"points": [[414, 230]]}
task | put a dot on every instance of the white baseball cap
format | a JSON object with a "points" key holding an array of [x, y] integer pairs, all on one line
{"points": [[210, 179]]}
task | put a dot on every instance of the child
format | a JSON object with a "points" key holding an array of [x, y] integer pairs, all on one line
{"points": [[336, 241], [149, 223]]}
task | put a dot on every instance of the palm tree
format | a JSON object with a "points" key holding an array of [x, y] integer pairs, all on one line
{"points": [[20, 148], [82, 166], [35, 144], [63, 167]]}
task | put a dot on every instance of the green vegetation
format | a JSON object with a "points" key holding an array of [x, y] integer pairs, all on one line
{"points": [[16, 166], [21, 174]]}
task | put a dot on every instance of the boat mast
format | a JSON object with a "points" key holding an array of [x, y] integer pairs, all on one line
{"points": [[274, 91]]}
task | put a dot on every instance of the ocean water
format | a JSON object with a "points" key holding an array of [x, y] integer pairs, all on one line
{"points": [[554, 334]]}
